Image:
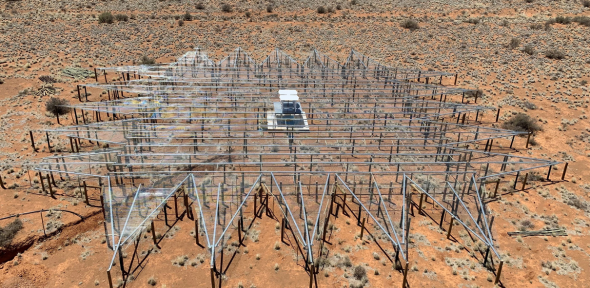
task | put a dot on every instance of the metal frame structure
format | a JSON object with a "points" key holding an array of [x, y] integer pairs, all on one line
{"points": [[379, 137]]}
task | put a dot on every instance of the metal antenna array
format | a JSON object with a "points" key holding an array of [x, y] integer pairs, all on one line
{"points": [[193, 136]]}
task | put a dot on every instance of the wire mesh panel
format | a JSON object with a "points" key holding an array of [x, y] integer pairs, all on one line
{"points": [[365, 138]]}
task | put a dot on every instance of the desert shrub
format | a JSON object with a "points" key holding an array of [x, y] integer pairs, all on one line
{"points": [[573, 200], [145, 60], [584, 82], [269, 8], [339, 7], [57, 106], [248, 14], [152, 281], [563, 20], [180, 260], [554, 54], [47, 79], [473, 21], [582, 20], [547, 26], [472, 93], [560, 20], [200, 6], [535, 176], [121, 17], [330, 9], [523, 123], [586, 3], [180, 22], [529, 1], [345, 261], [7, 233], [321, 10], [514, 43], [529, 49], [526, 225], [187, 17], [106, 17], [536, 26], [359, 272], [226, 8], [529, 105], [410, 24]]}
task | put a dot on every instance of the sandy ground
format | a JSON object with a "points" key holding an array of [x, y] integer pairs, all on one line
{"points": [[43, 37]]}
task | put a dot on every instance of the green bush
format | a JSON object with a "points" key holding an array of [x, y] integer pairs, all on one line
{"points": [[522, 123], [560, 20], [57, 106], [359, 272], [410, 24], [269, 8], [536, 26], [321, 10], [180, 23], [200, 6], [529, 49], [47, 79], [145, 60], [226, 8], [554, 54], [187, 17], [121, 17], [514, 43], [7, 233], [582, 20], [106, 17]]}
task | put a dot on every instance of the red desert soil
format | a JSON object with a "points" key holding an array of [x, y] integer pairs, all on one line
{"points": [[43, 37]]}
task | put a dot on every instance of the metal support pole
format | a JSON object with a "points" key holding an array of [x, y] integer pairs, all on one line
{"points": [[212, 277], [420, 205], [49, 185], [86, 193], [564, 170], [442, 218], [496, 189], [197, 231], [32, 140], [450, 228], [110, 279], [405, 279], [528, 139], [526, 176], [154, 235], [499, 272]]}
